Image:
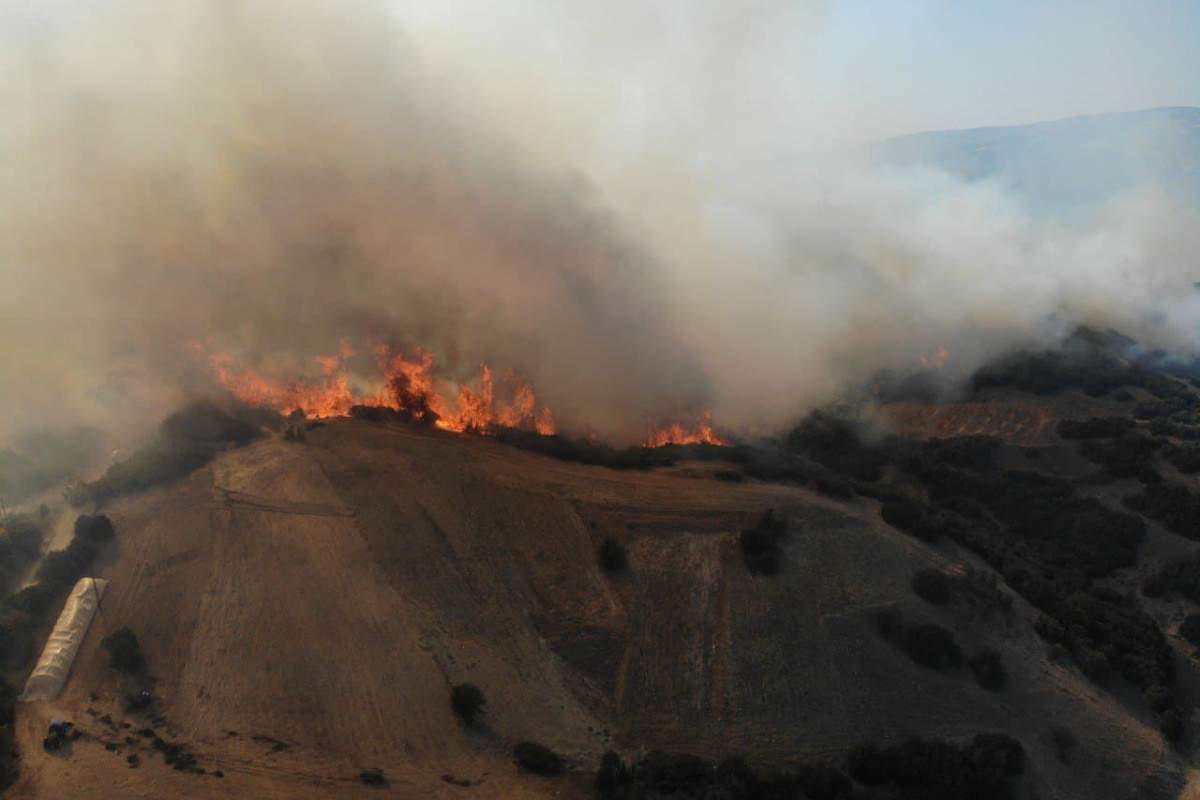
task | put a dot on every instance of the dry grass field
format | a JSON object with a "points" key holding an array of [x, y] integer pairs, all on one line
{"points": [[305, 607]]}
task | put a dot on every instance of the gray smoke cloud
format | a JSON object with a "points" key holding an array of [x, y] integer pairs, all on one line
{"points": [[269, 178]]}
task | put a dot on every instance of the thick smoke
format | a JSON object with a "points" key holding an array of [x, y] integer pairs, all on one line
{"points": [[270, 178]]}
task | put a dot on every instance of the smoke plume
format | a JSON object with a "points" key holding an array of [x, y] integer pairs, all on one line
{"points": [[271, 179]]}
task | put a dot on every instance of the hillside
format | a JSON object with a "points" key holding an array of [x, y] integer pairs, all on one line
{"points": [[1067, 166], [305, 606]]}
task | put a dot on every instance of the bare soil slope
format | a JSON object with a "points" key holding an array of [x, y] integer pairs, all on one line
{"points": [[305, 608]]}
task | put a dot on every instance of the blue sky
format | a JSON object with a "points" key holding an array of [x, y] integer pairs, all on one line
{"points": [[947, 63]]}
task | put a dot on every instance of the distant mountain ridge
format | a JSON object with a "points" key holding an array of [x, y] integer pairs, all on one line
{"points": [[1070, 165]]}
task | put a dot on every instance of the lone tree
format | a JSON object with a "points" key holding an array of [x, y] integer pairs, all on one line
{"points": [[468, 701], [126, 653]]}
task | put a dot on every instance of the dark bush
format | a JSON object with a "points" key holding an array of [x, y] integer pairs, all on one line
{"points": [[124, 650], [1159, 698], [1095, 363], [186, 440], [1190, 628], [1096, 666], [1126, 457], [932, 769], [61, 568], [1095, 428], [932, 646], [20, 544], [1185, 458], [1177, 577], [686, 776], [889, 622], [467, 701], [94, 528], [980, 590], [1037, 520], [1106, 634], [1064, 742], [835, 444], [43, 457], [988, 668], [761, 545], [932, 586], [586, 452], [536, 758], [834, 486], [612, 777], [1170, 504], [868, 764], [612, 555], [16, 640], [915, 518], [901, 513], [1172, 725]]}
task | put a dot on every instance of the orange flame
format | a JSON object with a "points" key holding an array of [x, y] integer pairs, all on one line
{"points": [[699, 431], [937, 360], [409, 386], [408, 383]]}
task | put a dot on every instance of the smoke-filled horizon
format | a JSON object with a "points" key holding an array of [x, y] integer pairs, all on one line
{"points": [[637, 236]]}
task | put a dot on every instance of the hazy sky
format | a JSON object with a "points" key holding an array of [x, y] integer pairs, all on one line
{"points": [[865, 68]]}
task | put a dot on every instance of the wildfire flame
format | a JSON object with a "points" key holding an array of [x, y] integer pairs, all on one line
{"points": [[408, 383], [936, 360], [698, 432], [408, 386]]}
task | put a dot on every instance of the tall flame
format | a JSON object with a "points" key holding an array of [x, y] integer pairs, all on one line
{"points": [[698, 431], [409, 386]]}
